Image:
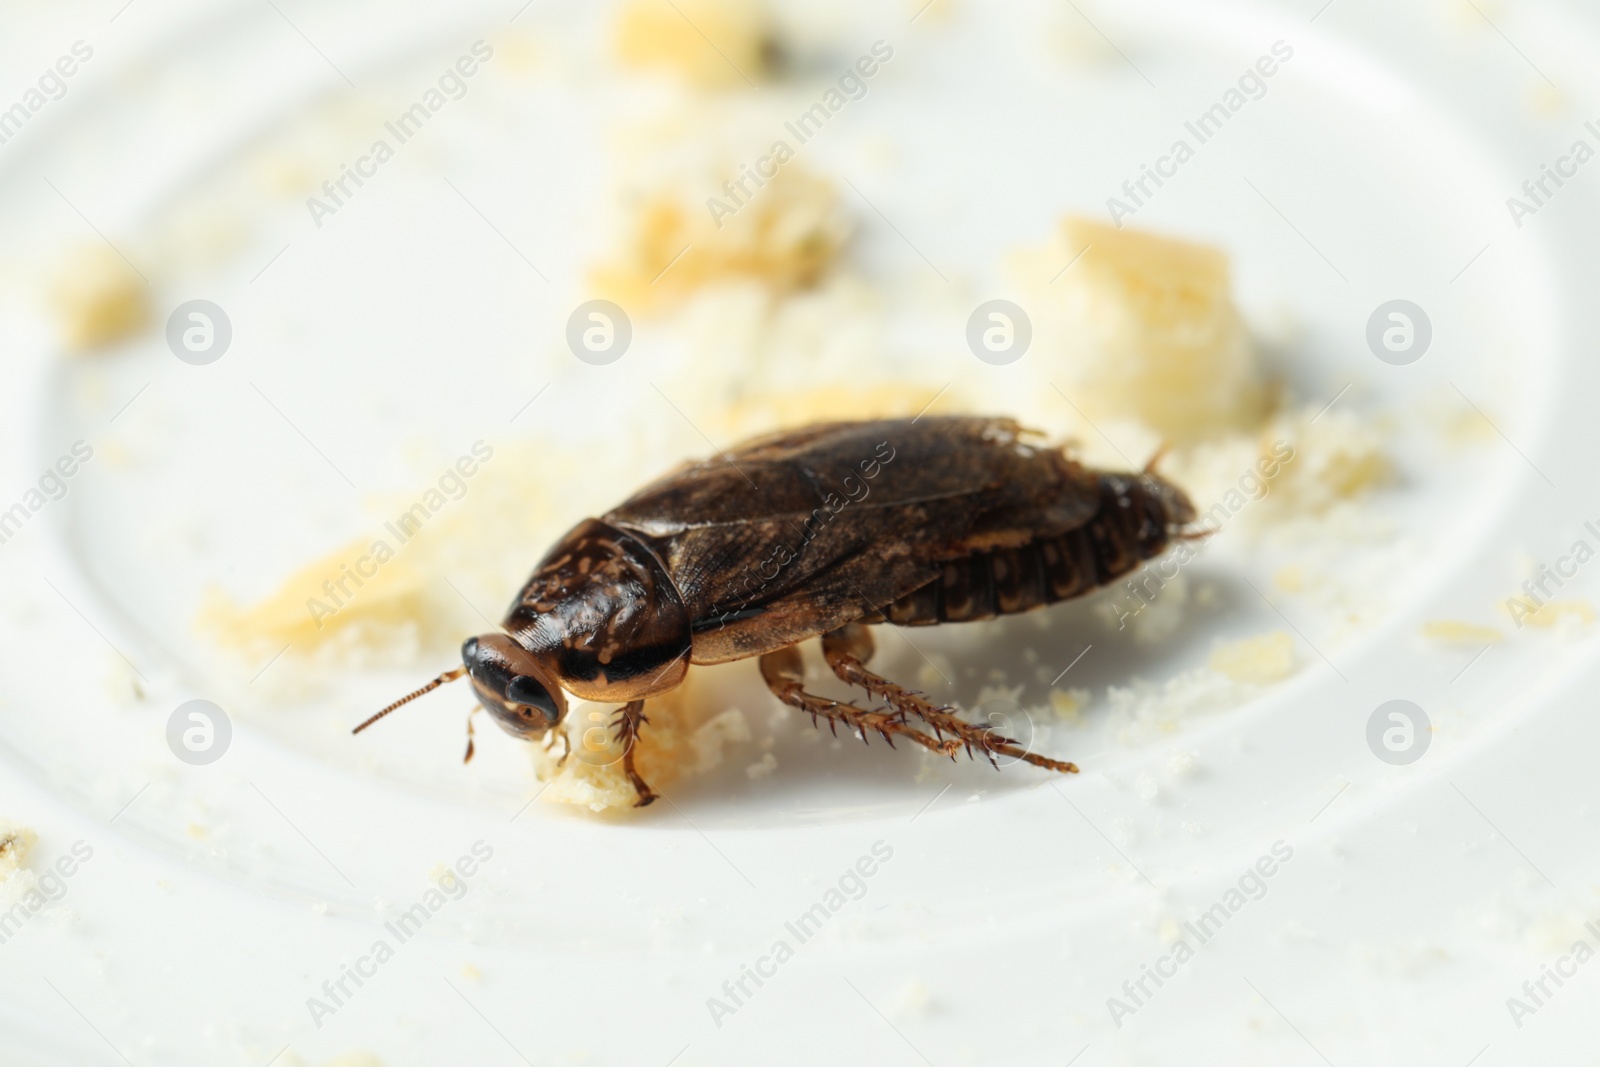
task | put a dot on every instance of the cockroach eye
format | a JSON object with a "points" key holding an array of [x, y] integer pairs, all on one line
{"points": [[528, 691]]}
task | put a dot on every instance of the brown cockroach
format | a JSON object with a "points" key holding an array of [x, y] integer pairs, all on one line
{"points": [[820, 531]]}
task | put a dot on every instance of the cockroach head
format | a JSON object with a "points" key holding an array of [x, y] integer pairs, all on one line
{"points": [[509, 682]]}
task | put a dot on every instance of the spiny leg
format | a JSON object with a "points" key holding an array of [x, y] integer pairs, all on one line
{"points": [[629, 718], [847, 651], [784, 673], [471, 748]]}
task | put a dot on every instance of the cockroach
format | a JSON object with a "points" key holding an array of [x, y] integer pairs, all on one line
{"points": [[819, 531]]}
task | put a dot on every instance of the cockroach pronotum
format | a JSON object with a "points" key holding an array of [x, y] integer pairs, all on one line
{"points": [[820, 531]]}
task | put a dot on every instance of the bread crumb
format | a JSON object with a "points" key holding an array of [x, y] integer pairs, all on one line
{"points": [[1183, 765], [1068, 704], [710, 737], [1145, 786], [390, 604], [471, 972], [914, 1000], [1290, 579], [1144, 710], [1460, 633], [683, 737], [354, 1059], [1148, 330], [762, 767], [99, 299], [785, 237], [1338, 455], [15, 843], [709, 44], [1255, 660]]}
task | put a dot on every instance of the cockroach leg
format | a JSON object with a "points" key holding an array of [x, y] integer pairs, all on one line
{"points": [[784, 673], [629, 718], [847, 651], [471, 748], [566, 744]]}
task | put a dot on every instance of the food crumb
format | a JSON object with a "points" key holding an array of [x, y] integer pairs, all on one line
{"points": [[1337, 455], [99, 300], [472, 972], [709, 44], [1149, 331], [1068, 704], [1460, 633], [785, 238], [390, 607], [15, 843], [709, 739], [354, 1059], [1256, 660], [1146, 787], [1183, 764], [914, 999], [1290, 579]]}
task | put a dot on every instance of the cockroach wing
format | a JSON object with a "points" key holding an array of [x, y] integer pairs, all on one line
{"points": [[792, 535]]}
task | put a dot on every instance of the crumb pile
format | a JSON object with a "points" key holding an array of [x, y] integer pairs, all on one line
{"points": [[1146, 328]]}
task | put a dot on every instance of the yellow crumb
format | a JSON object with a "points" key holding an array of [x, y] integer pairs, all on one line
{"points": [[472, 972], [785, 235], [710, 44], [354, 1059], [1150, 332], [1337, 455], [1068, 704], [1290, 579], [15, 842], [197, 831], [322, 600], [686, 735], [1256, 660], [1460, 633], [914, 1000], [99, 299]]}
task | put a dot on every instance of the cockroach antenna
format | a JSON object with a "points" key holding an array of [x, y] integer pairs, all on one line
{"points": [[1160, 453], [447, 676]]}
